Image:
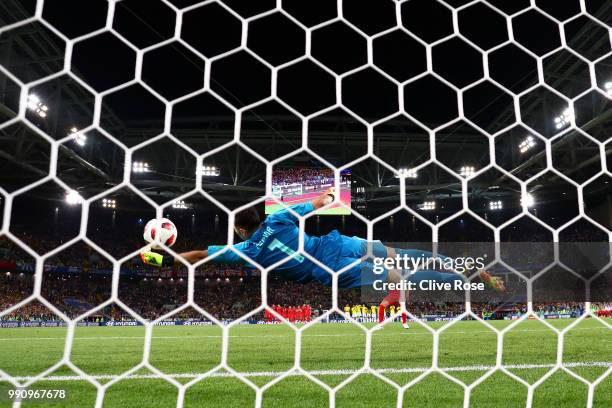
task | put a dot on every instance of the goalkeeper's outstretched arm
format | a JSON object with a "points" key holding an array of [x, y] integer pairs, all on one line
{"points": [[159, 260], [193, 256]]}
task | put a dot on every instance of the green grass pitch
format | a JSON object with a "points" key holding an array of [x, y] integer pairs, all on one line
{"points": [[331, 351]]}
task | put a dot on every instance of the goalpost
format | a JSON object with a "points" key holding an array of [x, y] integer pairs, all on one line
{"points": [[567, 121]]}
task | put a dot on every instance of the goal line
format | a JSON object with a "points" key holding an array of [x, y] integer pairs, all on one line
{"points": [[322, 372]]}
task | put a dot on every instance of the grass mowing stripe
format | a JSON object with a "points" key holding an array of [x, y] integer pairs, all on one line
{"points": [[277, 336]]}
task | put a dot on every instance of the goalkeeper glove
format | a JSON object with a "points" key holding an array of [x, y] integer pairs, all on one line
{"points": [[155, 259]]}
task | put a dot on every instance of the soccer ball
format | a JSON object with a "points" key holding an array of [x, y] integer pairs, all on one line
{"points": [[160, 231]]}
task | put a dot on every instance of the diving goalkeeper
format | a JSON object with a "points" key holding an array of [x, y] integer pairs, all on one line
{"points": [[276, 238]]}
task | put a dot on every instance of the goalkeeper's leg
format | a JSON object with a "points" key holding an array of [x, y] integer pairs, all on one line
{"points": [[450, 276], [355, 247]]}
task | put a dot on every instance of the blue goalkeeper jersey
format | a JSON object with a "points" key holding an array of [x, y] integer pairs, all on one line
{"points": [[277, 238]]}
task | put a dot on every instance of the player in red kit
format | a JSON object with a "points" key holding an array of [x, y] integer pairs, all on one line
{"points": [[299, 314], [291, 314], [267, 316], [284, 312], [392, 299]]}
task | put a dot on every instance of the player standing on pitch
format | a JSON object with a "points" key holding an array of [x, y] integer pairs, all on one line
{"points": [[276, 238]]}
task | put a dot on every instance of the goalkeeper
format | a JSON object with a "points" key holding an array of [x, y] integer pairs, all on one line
{"points": [[276, 238]]}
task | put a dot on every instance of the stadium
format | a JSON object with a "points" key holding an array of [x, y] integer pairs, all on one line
{"points": [[367, 132]]}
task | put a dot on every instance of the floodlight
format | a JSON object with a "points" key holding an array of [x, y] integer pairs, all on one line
{"points": [[528, 200], [79, 138], [37, 106], [73, 198], [565, 118], [527, 144], [408, 173], [212, 171], [495, 205], [109, 203], [428, 206], [140, 167], [467, 171], [179, 204]]}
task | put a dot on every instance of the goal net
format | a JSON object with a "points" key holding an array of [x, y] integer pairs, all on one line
{"points": [[473, 129]]}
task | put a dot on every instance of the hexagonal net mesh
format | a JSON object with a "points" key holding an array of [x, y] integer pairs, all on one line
{"points": [[472, 123]]}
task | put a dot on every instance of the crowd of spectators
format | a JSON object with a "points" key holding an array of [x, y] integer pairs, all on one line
{"points": [[304, 176], [224, 298], [13, 289], [225, 291], [114, 240], [558, 307], [223, 294]]}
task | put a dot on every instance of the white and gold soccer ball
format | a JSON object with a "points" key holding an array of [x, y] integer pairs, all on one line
{"points": [[160, 231]]}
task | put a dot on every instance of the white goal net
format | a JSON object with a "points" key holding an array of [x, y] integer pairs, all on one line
{"points": [[510, 123]]}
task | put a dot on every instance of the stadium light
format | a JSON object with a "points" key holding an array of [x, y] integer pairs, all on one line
{"points": [[140, 167], [79, 138], [212, 171], [565, 118], [109, 203], [428, 206], [467, 171], [408, 173], [73, 198], [527, 144], [179, 204], [37, 106], [527, 200], [608, 88], [495, 205]]}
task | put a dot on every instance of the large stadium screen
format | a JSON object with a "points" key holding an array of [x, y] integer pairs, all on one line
{"points": [[298, 185]]}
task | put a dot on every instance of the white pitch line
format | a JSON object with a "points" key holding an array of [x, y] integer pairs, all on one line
{"points": [[323, 372], [403, 333]]}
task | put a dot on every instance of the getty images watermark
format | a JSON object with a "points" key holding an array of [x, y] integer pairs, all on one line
{"points": [[426, 272], [489, 272]]}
